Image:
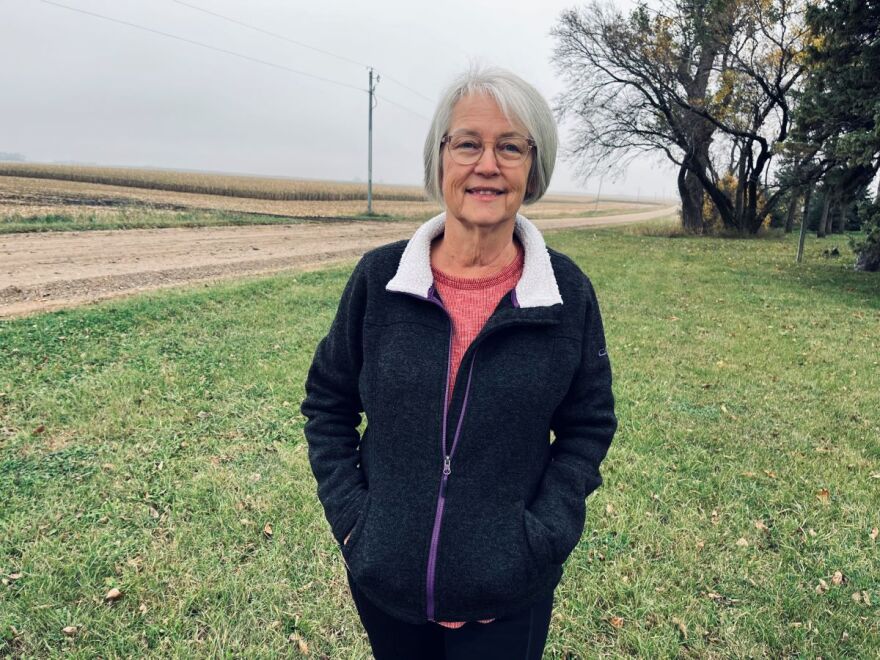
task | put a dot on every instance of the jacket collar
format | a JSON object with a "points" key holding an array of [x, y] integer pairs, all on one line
{"points": [[537, 286]]}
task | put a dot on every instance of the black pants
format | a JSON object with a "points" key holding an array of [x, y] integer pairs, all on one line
{"points": [[518, 636]]}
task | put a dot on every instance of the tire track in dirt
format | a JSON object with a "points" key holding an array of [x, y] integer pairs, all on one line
{"points": [[41, 272]]}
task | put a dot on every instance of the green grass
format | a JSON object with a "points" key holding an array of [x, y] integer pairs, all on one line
{"points": [[133, 218], [145, 444]]}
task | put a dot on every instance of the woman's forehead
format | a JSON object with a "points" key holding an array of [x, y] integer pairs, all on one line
{"points": [[479, 114]]}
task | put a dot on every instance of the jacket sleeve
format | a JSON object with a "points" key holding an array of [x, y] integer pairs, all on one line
{"points": [[584, 424], [332, 406]]}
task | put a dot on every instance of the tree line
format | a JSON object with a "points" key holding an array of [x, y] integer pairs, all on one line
{"points": [[769, 109]]}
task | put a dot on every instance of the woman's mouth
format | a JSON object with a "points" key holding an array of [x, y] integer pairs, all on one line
{"points": [[484, 193]]}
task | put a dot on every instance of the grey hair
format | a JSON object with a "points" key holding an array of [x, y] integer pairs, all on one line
{"points": [[519, 101]]}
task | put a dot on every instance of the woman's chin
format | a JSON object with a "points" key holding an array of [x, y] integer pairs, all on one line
{"points": [[484, 217]]}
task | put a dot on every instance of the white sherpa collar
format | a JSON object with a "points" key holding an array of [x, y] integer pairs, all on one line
{"points": [[537, 286]]}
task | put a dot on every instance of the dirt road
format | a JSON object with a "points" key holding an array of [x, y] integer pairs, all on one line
{"points": [[44, 271]]}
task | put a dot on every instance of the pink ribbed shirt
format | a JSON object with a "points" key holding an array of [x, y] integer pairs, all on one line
{"points": [[470, 302]]}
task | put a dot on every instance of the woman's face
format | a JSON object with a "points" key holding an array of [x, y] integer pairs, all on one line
{"points": [[466, 188]]}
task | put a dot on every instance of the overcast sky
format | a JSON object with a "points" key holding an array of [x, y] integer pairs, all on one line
{"points": [[74, 87]]}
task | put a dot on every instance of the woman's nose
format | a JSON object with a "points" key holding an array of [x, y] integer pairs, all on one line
{"points": [[488, 163]]}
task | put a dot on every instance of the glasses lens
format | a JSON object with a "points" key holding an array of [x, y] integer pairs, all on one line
{"points": [[512, 149], [467, 149]]}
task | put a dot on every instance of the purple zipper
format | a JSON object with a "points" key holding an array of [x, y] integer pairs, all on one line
{"points": [[447, 461], [447, 458]]}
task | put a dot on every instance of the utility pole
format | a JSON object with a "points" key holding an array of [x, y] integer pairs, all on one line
{"points": [[598, 194], [372, 89]]}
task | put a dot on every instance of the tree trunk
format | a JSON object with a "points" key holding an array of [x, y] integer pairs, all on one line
{"points": [[750, 221], [691, 192], [792, 209], [840, 218], [828, 220], [823, 219], [803, 235]]}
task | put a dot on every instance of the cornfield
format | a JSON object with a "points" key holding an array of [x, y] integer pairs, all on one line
{"points": [[252, 187]]}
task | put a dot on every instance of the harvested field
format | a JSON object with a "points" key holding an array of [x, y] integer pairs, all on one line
{"points": [[24, 200], [229, 185]]}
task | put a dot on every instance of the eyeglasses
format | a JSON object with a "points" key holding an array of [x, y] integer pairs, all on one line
{"points": [[468, 149]]}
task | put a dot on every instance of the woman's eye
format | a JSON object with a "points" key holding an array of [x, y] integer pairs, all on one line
{"points": [[466, 145], [510, 147]]}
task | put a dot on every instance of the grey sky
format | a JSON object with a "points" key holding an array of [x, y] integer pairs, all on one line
{"points": [[75, 87]]}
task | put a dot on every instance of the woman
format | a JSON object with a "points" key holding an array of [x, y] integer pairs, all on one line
{"points": [[465, 347]]}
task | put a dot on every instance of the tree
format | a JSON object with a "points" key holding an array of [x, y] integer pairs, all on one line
{"points": [[703, 82], [839, 107]]}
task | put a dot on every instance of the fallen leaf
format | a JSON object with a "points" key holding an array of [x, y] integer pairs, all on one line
{"points": [[749, 474], [770, 473], [40, 429], [811, 532], [844, 637], [715, 516], [822, 587], [876, 475], [759, 524], [113, 595], [874, 534], [681, 627], [837, 579], [15, 576], [300, 643], [742, 542], [267, 530], [70, 631], [609, 509], [823, 495], [616, 621], [866, 598], [153, 513], [857, 596], [142, 608], [701, 545]]}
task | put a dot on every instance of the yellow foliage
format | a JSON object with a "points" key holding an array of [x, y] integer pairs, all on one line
{"points": [[728, 185]]}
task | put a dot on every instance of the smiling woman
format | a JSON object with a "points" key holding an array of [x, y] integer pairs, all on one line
{"points": [[454, 512]]}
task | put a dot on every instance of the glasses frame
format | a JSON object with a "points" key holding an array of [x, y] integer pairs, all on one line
{"points": [[446, 141]]}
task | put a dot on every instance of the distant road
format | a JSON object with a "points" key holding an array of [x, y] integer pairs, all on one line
{"points": [[45, 271]]}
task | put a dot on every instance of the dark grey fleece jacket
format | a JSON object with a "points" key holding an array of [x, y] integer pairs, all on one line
{"points": [[466, 513]]}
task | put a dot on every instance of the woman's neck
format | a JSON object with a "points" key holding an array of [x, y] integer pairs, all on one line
{"points": [[471, 251]]}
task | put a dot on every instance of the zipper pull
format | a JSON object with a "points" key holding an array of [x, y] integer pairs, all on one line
{"points": [[447, 470]]}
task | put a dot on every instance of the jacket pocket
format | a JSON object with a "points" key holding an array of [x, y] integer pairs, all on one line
{"points": [[383, 554], [539, 542], [494, 554], [357, 530]]}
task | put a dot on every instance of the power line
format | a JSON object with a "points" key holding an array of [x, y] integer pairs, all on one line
{"points": [[272, 34], [414, 91], [227, 52], [203, 45], [403, 107], [299, 43]]}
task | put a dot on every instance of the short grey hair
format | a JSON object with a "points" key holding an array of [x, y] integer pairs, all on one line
{"points": [[520, 102]]}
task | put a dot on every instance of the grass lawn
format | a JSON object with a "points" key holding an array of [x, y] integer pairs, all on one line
{"points": [[155, 446], [139, 218]]}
